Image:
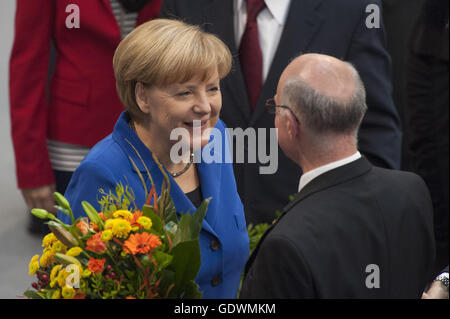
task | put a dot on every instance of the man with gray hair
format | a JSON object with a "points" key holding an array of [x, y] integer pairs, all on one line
{"points": [[353, 230]]}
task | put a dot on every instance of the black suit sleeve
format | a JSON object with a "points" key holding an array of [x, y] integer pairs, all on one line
{"points": [[279, 271], [380, 136]]}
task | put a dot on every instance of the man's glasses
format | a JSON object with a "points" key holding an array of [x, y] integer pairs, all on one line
{"points": [[272, 108]]}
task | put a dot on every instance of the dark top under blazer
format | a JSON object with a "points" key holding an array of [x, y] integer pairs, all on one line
{"points": [[341, 222], [108, 163], [336, 28]]}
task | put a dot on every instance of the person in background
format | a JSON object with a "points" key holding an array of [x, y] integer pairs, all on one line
{"points": [[168, 76], [264, 36], [54, 126], [353, 230], [439, 287], [399, 17], [427, 113]]}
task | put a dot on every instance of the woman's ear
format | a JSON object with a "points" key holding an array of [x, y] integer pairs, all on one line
{"points": [[141, 97]]}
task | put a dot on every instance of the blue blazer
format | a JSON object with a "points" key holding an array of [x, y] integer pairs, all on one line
{"points": [[108, 163]]}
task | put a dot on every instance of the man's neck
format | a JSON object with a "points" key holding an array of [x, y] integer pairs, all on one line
{"points": [[309, 161]]}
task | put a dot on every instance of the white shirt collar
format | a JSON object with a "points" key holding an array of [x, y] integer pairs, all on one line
{"points": [[278, 8], [309, 176]]}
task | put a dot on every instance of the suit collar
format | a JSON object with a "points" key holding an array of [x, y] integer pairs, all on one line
{"points": [[331, 178], [326, 180]]}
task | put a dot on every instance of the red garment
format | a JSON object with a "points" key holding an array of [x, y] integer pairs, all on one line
{"points": [[83, 104], [250, 54]]}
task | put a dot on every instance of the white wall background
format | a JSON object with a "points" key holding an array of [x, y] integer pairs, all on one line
{"points": [[16, 245]]}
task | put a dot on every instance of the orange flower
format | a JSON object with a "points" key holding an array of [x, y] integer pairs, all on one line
{"points": [[96, 244], [83, 227], [96, 265], [129, 297], [141, 243], [93, 226], [133, 221]]}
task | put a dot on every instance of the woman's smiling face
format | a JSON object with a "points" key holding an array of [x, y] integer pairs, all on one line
{"points": [[179, 105]]}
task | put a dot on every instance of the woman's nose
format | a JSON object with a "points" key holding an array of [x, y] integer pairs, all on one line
{"points": [[203, 104]]}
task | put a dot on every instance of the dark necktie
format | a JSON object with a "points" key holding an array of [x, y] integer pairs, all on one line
{"points": [[250, 54]]}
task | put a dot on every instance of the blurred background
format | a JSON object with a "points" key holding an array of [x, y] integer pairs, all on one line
{"points": [[17, 246]]}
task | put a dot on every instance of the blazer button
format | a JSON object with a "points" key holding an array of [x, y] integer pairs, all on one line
{"points": [[215, 245], [216, 281]]}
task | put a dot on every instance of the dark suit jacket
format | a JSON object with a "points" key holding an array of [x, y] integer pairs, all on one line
{"points": [[330, 27], [343, 221], [428, 116]]}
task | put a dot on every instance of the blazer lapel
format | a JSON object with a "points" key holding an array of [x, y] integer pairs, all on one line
{"points": [[302, 23], [324, 181], [221, 12]]}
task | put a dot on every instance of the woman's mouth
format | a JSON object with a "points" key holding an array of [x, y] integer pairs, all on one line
{"points": [[197, 124]]}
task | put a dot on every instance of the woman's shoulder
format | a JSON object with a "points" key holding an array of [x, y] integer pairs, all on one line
{"points": [[106, 153]]}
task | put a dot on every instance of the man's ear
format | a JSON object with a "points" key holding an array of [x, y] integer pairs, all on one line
{"points": [[292, 127], [141, 97]]}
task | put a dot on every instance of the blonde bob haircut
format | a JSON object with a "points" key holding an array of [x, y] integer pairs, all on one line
{"points": [[163, 52]]}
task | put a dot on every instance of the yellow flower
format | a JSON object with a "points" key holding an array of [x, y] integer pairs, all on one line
{"points": [[74, 251], [35, 258], [109, 224], [145, 222], [47, 258], [48, 240], [53, 283], [107, 235], [59, 247], [121, 228], [123, 214], [68, 292], [33, 268], [54, 271], [56, 294], [62, 276], [86, 273], [134, 228]]}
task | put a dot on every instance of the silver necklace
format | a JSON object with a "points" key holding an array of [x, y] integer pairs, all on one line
{"points": [[191, 160], [174, 175]]}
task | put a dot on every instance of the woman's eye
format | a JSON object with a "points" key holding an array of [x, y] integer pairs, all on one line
{"points": [[185, 93], [214, 89]]}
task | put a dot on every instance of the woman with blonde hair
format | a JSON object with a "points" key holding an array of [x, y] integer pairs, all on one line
{"points": [[168, 77]]}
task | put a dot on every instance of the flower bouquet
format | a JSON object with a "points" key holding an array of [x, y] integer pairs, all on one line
{"points": [[120, 252]]}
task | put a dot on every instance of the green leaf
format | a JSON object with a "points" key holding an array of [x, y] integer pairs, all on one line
{"points": [[92, 214], [192, 291], [167, 279], [186, 263], [67, 260], [170, 212], [33, 294], [62, 201], [162, 259], [189, 226], [157, 225], [40, 213]]}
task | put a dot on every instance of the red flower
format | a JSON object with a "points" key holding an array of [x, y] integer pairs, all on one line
{"points": [[96, 244], [96, 265]]}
